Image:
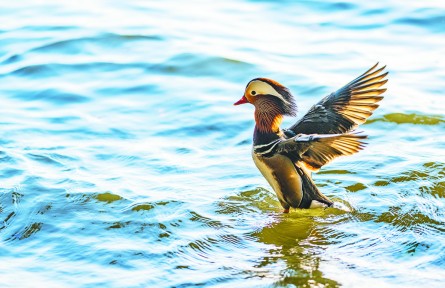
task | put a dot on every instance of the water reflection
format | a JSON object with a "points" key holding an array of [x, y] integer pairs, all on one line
{"points": [[292, 238]]}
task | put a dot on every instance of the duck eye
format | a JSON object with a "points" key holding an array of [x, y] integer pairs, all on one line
{"points": [[253, 93]]}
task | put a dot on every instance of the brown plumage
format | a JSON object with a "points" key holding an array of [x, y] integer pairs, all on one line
{"points": [[269, 115], [286, 157]]}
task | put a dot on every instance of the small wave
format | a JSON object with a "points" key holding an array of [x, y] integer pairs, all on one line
{"points": [[249, 201], [89, 132], [80, 45], [143, 207], [63, 119], [45, 159], [57, 69], [318, 6], [201, 130], [335, 171], [29, 230], [428, 171], [10, 207], [49, 28], [137, 89], [213, 223], [396, 216], [52, 96], [12, 59], [43, 70], [401, 118], [370, 12], [108, 197], [5, 222], [356, 187], [6, 158], [381, 183], [119, 225], [436, 189], [432, 23], [193, 65], [149, 206], [11, 172]]}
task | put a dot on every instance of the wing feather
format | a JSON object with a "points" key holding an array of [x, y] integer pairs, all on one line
{"points": [[348, 107], [317, 150], [329, 148]]}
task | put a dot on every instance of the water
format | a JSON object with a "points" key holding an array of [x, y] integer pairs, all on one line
{"points": [[124, 163]]}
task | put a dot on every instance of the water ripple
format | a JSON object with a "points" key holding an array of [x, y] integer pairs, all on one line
{"points": [[432, 23], [80, 45], [121, 151]]}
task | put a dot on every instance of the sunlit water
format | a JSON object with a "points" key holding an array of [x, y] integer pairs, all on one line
{"points": [[124, 163]]}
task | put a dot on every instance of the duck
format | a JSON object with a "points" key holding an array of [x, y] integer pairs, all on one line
{"points": [[288, 157]]}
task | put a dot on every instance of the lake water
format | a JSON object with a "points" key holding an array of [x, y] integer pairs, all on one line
{"points": [[123, 162]]}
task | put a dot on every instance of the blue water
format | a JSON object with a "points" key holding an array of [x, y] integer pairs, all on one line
{"points": [[124, 163]]}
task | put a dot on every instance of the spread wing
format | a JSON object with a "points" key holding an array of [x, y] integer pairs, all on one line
{"points": [[314, 150], [346, 108]]}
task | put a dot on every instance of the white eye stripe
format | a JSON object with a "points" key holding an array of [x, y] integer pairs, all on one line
{"points": [[258, 87]]}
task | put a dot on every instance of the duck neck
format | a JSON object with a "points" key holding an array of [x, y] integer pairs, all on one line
{"points": [[268, 116]]}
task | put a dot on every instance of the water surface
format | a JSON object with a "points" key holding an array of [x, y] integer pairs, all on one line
{"points": [[124, 163]]}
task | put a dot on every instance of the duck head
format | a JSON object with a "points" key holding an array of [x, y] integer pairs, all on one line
{"points": [[271, 100], [262, 88]]}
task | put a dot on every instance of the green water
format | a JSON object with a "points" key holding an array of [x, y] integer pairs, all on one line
{"points": [[124, 164]]}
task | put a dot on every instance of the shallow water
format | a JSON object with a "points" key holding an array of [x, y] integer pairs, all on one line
{"points": [[124, 163]]}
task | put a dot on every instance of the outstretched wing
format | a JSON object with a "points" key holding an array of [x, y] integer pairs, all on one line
{"points": [[346, 108], [314, 150]]}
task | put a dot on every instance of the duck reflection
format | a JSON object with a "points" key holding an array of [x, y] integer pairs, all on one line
{"points": [[294, 240]]}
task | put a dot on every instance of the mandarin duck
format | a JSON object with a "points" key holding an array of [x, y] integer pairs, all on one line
{"points": [[287, 157]]}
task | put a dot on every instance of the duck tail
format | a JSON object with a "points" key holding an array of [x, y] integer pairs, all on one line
{"points": [[310, 191]]}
